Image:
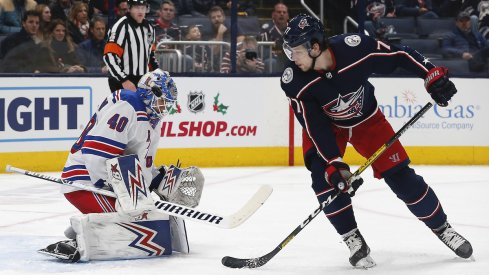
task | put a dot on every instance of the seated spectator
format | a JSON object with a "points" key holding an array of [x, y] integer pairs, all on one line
{"points": [[19, 51], [273, 32], [45, 13], [247, 60], [121, 8], [464, 42], [61, 9], [376, 10], [479, 9], [78, 24], [62, 48], [11, 12], [416, 8], [26, 34], [91, 51], [165, 28], [196, 56]]}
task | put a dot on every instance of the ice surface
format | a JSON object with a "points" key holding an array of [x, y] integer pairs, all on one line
{"points": [[33, 214]]}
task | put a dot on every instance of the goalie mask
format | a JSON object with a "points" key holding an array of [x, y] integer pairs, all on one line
{"points": [[303, 30], [159, 93]]}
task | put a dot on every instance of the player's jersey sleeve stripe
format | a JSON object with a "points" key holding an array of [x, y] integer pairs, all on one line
{"points": [[307, 86], [75, 172], [365, 58], [142, 116], [103, 147]]}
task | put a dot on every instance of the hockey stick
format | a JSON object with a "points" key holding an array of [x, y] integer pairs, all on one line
{"points": [[173, 209], [262, 260]]}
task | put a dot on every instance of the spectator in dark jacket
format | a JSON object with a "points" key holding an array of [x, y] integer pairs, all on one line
{"points": [[91, 51], [20, 52], [61, 9], [464, 42]]}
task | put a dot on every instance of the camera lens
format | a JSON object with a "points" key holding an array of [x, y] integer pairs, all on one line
{"points": [[250, 54]]}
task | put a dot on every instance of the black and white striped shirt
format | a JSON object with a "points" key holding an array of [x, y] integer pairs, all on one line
{"points": [[130, 49]]}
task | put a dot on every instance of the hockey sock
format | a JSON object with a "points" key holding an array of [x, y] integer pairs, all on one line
{"points": [[420, 199]]}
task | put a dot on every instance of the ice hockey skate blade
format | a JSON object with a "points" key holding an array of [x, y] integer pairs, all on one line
{"points": [[366, 263]]}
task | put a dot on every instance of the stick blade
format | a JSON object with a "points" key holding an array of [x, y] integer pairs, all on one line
{"points": [[232, 262], [249, 208]]}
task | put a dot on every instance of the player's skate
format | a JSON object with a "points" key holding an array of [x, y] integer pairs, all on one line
{"points": [[454, 241], [359, 250], [64, 250]]}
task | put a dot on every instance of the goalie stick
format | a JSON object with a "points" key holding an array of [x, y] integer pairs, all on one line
{"points": [[262, 260], [173, 209]]}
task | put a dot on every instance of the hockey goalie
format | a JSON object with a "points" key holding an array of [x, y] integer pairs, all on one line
{"points": [[116, 151]]}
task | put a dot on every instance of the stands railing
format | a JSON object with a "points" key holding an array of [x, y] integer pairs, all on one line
{"points": [[201, 56]]}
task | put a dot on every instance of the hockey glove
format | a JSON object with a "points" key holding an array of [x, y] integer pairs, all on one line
{"points": [[338, 175], [440, 88]]}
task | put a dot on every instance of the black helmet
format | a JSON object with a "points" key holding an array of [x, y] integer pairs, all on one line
{"points": [[303, 29]]}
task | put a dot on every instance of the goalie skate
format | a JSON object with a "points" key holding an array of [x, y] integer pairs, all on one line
{"points": [[455, 241], [64, 250], [359, 250]]}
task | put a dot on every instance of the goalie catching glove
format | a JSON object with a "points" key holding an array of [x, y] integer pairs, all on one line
{"points": [[179, 185], [338, 175], [440, 88]]}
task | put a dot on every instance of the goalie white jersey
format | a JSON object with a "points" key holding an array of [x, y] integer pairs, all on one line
{"points": [[120, 126]]}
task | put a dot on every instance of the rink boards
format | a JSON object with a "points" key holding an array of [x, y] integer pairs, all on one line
{"points": [[233, 121]]}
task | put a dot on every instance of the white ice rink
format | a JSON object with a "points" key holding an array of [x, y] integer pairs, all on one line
{"points": [[33, 214]]}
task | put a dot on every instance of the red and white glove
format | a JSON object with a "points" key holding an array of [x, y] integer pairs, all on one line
{"points": [[338, 175], [440, 88]]}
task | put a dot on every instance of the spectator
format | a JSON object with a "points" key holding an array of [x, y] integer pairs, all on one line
{"points": [[479, 9], [247, 60], [416, 8], [130, 49], [447, 8], [121, 9], [98, 8], [376, 10], [20, 52], [165, 28], [196, 56], [78, 24], [61, 9], [90, 52], [27, 33], [273, 32], [62, 48], [45, 20], [221, 31], [466, 43], [11, 12]]}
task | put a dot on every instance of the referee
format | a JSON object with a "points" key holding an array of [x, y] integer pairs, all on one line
{"points": [[129, 52]]}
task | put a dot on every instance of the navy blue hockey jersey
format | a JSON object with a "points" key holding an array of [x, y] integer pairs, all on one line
{"points": [[343, 95]]}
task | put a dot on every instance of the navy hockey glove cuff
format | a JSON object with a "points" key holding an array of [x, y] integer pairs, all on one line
{"points": [[338, 175], [440, 88]]}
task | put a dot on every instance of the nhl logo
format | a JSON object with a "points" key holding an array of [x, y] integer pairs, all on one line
{"points": [[303, 23], [196, 102]]}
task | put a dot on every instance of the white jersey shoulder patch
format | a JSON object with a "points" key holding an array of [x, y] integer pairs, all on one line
{"points": [[287, 75], [353, 40]]}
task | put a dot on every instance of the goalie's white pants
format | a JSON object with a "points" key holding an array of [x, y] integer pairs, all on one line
{"points": [[110, 236]]}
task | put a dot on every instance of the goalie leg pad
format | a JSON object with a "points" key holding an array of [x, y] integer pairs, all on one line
{"points": [[110, 236], [181, 186], [125, 175]]}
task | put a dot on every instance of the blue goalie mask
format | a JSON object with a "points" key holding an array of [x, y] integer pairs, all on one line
{"points": [[159, 93]]}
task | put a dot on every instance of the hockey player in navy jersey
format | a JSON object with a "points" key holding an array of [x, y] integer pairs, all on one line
{"points": [[116, 151], [328, 89]]}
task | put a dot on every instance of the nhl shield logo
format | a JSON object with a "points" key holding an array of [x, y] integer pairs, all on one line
{"points": [[196, 102]]}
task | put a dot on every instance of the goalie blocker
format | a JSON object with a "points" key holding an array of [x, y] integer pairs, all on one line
{"points": [[137, 229]]}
